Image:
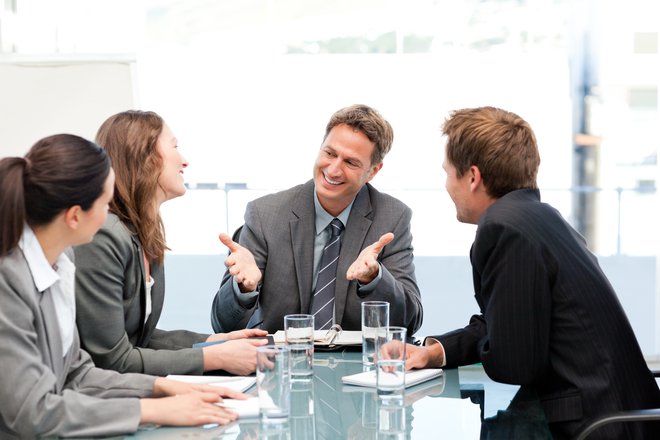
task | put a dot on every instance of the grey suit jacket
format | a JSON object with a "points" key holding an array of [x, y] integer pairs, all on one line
{"points": [[279, 230], [550, 321], [44, 392], [111, 305]]}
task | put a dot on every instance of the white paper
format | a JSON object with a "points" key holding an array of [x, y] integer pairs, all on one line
{"points": [[413, 377], [236, 383], [244, 408]]}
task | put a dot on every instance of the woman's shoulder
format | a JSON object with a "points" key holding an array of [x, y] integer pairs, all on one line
{"points": [[114, 238], [15, 273], [115, 227], [13, 262]]}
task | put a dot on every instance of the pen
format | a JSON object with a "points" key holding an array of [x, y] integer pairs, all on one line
{"points": [[332, 333]]}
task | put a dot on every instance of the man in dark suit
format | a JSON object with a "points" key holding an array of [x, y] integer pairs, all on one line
{"points": [[550, 321], [274, 267]]}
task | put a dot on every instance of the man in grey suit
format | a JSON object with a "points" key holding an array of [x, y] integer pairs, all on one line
{"points": [[273, 269], [550, 321]]}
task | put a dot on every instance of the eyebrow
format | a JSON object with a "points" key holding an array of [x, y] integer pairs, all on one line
{"points": [[353, 159]]}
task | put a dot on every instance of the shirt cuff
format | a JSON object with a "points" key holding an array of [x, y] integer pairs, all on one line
{"points": [[432, 341], [247, 299], [366, 288]]}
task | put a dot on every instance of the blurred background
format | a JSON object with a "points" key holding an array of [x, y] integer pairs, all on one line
{"points": [[247, 86]]}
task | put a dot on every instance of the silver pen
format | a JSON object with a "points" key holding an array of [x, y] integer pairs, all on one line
{"points": [[332, 334]]}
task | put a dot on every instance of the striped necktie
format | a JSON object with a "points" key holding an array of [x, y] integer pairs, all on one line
{"points": [[323, 303]]}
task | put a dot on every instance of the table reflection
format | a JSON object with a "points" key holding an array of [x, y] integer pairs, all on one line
{"points": [[323, 408]]}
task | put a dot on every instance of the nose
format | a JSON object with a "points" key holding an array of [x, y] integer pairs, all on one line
{"points": [[184, 162], [334, 167]]}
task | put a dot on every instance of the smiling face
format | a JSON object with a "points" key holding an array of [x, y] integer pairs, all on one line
{"points": [[459, 191], [170, 180], [343, 167]]}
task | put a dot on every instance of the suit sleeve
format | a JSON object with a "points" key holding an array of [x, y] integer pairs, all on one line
{"points": [[513, 285], [94, 402], [228, 313], [100, 282], [398, 285], [462, 346]]}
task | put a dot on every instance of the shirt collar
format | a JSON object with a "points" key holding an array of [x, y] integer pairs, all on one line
{"points": [[323, 218], [43, 274]]}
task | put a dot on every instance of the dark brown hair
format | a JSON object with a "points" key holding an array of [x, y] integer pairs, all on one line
{"points": [[131, 140], [57, 173], [368, 121], [500, 143]]}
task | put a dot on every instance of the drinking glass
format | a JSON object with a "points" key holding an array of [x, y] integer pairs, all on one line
{"points": [[299, 334], [375, 316], [273, 387], [391, 363]]}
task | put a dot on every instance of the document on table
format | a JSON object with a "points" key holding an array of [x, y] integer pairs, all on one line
{"points": [[413, 377], [244, 408], [236, 383], [333, 337]]}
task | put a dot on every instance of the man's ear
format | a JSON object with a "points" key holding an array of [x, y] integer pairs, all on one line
{"points": [[72, 216], [475, 178], [374, 171]]}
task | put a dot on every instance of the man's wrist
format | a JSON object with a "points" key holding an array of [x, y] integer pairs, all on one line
{"points": [[372, 283], [246, 299], [436, 353]]}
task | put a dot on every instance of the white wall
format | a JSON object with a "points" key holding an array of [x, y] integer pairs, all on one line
{"points": [[38, 99]]}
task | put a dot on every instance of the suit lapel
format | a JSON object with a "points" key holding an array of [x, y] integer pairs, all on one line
{"points": [[351, 244], [143, 290], [52, 334], [302, 243], [157, 298]]}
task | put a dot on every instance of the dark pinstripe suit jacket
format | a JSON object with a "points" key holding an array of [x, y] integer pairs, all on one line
{"points": [[550, 320]]}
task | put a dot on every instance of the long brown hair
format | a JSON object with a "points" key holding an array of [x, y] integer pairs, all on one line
{"points": [[131, 139], [58, 172]]}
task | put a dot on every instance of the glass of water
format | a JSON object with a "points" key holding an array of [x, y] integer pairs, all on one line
{"points": [[299, 333], [391, 363], [375, 316], [273, 383]]}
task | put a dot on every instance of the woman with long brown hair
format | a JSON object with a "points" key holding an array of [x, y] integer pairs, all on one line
{"points": [[120, 284], [55, 197]]}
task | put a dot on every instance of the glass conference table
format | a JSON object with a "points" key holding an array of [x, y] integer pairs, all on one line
{"points": [[461, 404]]}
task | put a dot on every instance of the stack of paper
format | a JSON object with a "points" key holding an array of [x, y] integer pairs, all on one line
{"points": [[236, 383], [413, 377], [244, 408]]}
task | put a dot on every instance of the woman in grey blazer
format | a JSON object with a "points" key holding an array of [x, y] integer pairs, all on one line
{"points": [[56, 197], [120, 283]]}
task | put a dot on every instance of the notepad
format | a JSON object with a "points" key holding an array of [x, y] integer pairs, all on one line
{"points": [[244, 408], [327, 338], [236, 383], [413, 377]]}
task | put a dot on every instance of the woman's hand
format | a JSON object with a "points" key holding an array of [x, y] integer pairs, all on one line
{"points": [[190, 409], [168, 387], [238, 356], [238, 334]]}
